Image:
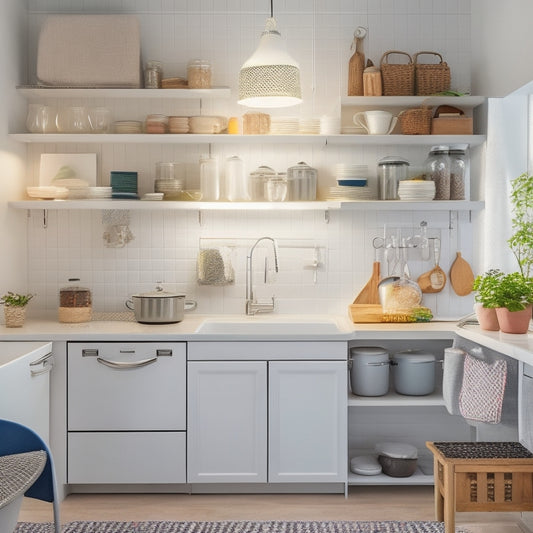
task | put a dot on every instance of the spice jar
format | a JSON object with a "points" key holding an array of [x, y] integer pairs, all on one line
{"points": [[199, 74], [75, 303], [458, 163], [153, 74], [438, 170]]}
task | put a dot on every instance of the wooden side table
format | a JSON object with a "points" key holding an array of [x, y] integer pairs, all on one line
{"points": [[480, 477]]}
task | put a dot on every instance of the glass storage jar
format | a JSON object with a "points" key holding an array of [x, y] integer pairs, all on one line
{"points": [[199, 74], [209, 179], [458, 164], [75, 303], [391, 170], [153, 74], [258, 179], [438, 170]]}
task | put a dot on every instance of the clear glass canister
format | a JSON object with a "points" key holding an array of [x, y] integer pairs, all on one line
{"points": [[258, 179], [236, 180], [199, 74], [458, 166], [301, 182], [153, 74], [438, 170], [75, 303], [209, 179], [391, 170]]}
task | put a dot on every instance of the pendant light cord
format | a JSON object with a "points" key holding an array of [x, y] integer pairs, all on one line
{"points": [[271, 9]]}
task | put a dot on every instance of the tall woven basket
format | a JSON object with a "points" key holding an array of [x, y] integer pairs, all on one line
{"points": [[398, 78], [431, 78]]}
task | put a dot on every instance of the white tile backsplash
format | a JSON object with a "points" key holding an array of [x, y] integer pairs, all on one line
{"points": [[166, 244]]}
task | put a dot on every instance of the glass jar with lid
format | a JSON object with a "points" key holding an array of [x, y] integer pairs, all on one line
{"points": [[258, 179], [458, 166], [391, 170], [153, 74], [199, 74], [438, 170], [75, 303]]}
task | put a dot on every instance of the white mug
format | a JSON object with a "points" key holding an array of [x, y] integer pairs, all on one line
{"points": [[375, 122]]}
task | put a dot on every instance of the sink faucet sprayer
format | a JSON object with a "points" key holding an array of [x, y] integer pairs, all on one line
{"points": [[252, 306]]}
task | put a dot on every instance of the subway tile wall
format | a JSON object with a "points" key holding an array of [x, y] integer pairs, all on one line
{"points": [[166, 244]]}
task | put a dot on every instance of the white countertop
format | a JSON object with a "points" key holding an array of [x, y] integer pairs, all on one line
{"points": [[49, 329]]}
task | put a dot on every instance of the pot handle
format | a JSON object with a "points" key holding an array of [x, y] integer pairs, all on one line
{"points": [[189, 305], [129, 305]]}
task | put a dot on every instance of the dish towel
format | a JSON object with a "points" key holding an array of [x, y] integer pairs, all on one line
{"points": [[452, 378], [214, 267], [483, 388]]}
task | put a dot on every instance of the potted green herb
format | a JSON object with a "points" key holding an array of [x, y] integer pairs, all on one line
{"points": [[485, 308], [511, 295], [15, 308]]}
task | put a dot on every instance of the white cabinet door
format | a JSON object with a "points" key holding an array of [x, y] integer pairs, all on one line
{"points": [[227, 414], [307, 421]]}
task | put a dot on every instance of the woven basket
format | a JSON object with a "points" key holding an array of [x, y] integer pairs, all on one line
{"points": [[14, 316], [415, 121], [398, 79], [431, 78]]}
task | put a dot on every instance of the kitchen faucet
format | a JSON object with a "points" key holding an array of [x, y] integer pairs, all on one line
{"points": [[252, 306]]}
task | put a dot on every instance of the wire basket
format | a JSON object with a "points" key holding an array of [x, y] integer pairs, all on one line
{"points": [[431, 78], [415, 121], [398, 79]]}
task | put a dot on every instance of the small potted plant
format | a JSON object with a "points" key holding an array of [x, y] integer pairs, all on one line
{"points": [[15, 308], [485, 308]]}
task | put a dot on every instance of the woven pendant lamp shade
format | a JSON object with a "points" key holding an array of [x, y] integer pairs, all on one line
{"points": [[270, 77]]}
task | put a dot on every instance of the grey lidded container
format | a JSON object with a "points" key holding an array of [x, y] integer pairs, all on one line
{"points": [[413, 372], [369, 371]]}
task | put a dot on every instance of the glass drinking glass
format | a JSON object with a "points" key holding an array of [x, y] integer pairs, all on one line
{"points": [[100, 119], [41, 119], [74, 119]]}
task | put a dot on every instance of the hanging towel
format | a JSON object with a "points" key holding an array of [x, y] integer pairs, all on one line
{"points": [[483, 388], [452, 378], [214, 267]]}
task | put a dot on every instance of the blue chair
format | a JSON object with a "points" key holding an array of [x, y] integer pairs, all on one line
{"points": [[18, 439]]}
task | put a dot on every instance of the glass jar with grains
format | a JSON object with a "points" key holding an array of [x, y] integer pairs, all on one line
{"points": [[199, 74], [458, 166], [75, 303], [438, 170]]}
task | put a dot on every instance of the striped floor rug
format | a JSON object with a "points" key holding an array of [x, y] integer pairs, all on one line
{"points": [[238, 527]]}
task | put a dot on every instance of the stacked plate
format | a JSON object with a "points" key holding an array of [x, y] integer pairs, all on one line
{"points": [[127, 126], [284, 125], [350, 193], [351, 175], [47, 193], [309, 126], [416, 190], [100, 192], [171, 188], [178, 124], [77, 188]]}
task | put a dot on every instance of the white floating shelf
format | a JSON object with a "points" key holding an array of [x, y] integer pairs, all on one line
{"points": [[392, 399], [418, 478], [247, 206], [70, 92], [412, 101]]}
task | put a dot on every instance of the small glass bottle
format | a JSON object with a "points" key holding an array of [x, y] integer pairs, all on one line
{"points": [[438, 170], [209, 179], [153, 74], [458, 164]]}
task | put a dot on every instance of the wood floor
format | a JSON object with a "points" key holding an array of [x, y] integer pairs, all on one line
{"points": [[363, 503]]}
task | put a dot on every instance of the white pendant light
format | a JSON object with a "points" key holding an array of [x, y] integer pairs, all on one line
{"points": [[270, 77]]}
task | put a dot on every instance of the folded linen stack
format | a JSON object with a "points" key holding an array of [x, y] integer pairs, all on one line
{"points": [[214, 267]]}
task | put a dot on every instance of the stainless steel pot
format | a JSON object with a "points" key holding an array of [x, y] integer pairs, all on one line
{"points": [[159, 307]]}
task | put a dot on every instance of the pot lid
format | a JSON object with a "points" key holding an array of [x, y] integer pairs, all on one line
{"points": [[414, 356], [158, 293], [368, 350], [397, 450]]}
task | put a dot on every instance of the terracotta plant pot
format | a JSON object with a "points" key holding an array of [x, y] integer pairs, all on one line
{"points": [[514, 321], [15, 316], [487, 318]]}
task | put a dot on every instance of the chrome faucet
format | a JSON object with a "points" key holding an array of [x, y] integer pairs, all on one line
{"points": [[252, 305]]}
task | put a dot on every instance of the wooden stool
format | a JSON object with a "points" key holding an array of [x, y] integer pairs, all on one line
{"points": [[480, 477]]}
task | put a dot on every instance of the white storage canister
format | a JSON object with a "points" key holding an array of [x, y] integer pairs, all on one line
{"points": [[413, 372], [369, 372]]}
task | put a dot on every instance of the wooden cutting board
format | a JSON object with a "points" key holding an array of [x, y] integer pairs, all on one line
{"points": [[461, 276], [369, 293]]}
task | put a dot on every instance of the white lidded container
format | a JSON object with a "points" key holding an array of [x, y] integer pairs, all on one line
{"points": [[413, 372], [369, 371]]}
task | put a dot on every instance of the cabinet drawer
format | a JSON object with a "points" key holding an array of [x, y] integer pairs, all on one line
{"points": [[131, 394], [127, 457]]}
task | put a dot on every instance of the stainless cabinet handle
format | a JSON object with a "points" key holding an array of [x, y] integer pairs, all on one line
{"points": [[42, 359], [124, 364], [47, 362]]}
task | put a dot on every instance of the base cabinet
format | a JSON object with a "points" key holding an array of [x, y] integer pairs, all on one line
{"points": [[243, 430]]}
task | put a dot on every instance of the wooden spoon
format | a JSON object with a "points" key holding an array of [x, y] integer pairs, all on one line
{"points": [[369, 293], [461, 276], [435, 279]]}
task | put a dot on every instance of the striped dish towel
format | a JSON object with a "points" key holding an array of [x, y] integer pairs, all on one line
{"points": [[483, 389]]}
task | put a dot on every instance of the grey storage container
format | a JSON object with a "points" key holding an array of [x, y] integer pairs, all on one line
{"points": [[369, 371], [413, 372]]}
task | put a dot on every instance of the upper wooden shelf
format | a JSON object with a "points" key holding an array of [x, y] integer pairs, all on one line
{"points": [[405, 101]]}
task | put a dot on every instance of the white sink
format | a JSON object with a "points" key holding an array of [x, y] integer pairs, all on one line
{"points": [[267, 327]]}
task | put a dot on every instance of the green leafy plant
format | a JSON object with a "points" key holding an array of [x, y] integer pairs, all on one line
{"points": [[12, 299], [497, 289], [521, 242]]}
